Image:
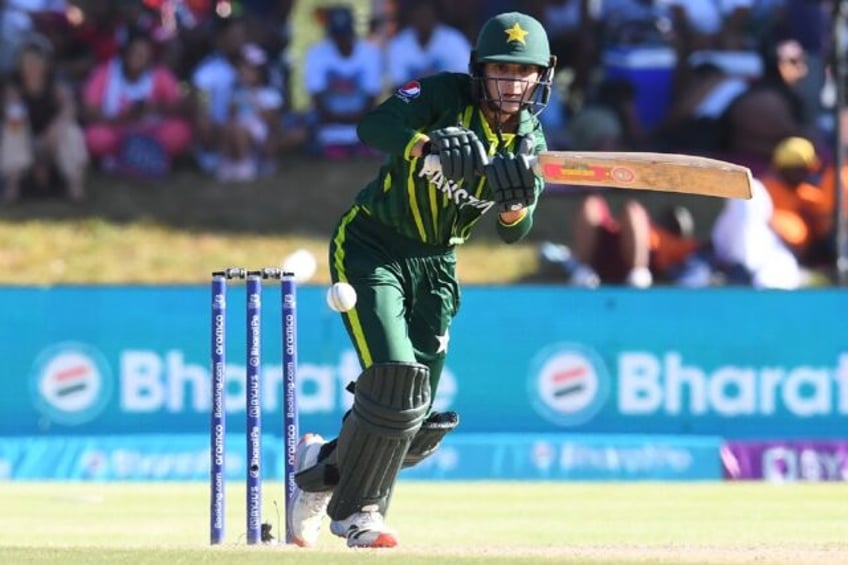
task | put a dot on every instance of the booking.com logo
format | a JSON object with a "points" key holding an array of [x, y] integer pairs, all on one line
{"points": [[70, 383], [568, 384]]}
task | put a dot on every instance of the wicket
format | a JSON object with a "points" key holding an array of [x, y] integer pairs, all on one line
{"points": [[253, 407]]}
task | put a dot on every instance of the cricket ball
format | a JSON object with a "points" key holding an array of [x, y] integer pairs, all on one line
{"points": [[341, 297]]}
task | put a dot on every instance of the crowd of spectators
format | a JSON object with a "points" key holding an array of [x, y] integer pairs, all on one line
{"points": [[139, 87]]}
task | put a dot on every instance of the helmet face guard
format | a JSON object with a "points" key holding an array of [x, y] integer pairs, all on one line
{"points": [[540, 92], [516, 38]]}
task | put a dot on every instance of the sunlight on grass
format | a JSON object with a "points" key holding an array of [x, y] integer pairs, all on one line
{"points": [[480, 522], [81, 251]]}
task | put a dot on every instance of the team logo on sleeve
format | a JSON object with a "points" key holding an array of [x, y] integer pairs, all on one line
{"points": [[409, 91]]}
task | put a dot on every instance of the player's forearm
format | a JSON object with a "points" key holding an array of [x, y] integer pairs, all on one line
{"points": [[512, 217], [514, 226]]}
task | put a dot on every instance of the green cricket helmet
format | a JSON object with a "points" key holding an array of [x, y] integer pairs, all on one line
{"points": [[513, 37]]}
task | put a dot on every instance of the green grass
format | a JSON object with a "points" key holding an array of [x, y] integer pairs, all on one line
{"points": [[45, 252], [178, 229], [443, 523]]}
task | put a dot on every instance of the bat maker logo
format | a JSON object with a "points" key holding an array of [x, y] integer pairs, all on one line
{"points": [[575, 172]]}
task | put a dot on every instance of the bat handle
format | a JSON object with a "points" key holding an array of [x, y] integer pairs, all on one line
{"points": [[433, 165], [534, 164]]}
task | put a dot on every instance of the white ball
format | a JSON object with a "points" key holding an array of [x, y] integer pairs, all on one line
{"points": [[341, 297], [302, 263]]}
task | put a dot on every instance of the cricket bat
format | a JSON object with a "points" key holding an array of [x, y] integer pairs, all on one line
{"points": [[663, 172]]}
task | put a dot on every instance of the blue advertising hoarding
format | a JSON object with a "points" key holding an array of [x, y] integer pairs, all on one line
{"points": [[490, 456], [733, 363]]}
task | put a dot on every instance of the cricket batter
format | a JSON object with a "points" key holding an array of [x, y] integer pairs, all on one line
{"points": [[396, 247]]}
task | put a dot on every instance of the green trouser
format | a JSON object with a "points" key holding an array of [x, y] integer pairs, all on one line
{"points": [[407, 293]]}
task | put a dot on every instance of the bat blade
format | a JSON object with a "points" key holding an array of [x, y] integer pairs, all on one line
{"points": [[664, 172]]}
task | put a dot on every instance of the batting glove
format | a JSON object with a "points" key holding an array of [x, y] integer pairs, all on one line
{"points": [[511, 179], [460, 152]]}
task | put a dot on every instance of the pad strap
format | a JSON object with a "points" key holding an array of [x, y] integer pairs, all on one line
{"points": [[426, 442], [324, 475]]}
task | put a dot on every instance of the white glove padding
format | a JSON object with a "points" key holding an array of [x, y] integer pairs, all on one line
{"points": [[460, 152], [511, 179]]}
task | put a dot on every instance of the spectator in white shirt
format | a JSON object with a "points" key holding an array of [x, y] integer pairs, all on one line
{"points": [[251, 131], [743, 239], [426, 46], [343, 76], [213, 82], [712, 24]]}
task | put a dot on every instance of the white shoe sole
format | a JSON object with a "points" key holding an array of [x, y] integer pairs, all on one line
{"points": [[364, 538]]}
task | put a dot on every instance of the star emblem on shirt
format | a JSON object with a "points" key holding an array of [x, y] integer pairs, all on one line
{"points": [[443, 342], [516, 33]]}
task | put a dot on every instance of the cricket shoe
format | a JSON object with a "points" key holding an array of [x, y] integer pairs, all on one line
{"points": [[364, 529], [308, 508]]}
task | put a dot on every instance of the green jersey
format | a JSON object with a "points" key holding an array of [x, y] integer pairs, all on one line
{"points": [[431, 208]]}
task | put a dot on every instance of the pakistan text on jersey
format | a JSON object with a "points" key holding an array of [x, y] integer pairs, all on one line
{"points": [[459, 196]]}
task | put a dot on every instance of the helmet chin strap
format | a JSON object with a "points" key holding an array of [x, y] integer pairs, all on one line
{"points": [[498, 124]]}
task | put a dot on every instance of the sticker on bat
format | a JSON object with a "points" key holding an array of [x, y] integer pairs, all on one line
{"points": [[623, 174], [598, 173]]}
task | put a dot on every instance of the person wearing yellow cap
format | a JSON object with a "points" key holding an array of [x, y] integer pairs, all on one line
{"points": [[802, 213]]}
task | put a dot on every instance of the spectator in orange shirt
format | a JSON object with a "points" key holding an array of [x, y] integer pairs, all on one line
{"points": [[803, 213], [675, 251], [828, 186], [628, 248], [632, 248]]}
